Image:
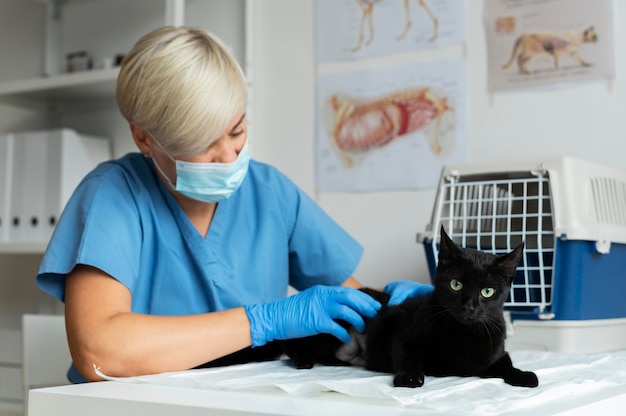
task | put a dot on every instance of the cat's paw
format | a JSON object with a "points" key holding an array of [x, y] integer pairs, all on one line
{"points": [[405, 379], [523, 379], [302, 363]]}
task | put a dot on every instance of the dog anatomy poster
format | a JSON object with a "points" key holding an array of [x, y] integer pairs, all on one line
{"points": [[355, 29], [391, 127], [534, 43]]}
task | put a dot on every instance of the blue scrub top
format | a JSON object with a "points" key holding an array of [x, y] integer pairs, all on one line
{"points": [[269, 234]]}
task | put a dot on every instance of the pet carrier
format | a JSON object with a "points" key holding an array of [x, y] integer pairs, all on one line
{"points": [[571, 215]]}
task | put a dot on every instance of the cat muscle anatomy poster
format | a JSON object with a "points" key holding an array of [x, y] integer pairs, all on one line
{"points": [[390, 128], [533, 43]]}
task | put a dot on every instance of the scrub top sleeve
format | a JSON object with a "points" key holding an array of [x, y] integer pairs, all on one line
{"points": [[99, 227], [320, 251]]}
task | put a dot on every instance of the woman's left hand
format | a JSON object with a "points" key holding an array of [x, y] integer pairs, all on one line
{"points": [[400, 290]]}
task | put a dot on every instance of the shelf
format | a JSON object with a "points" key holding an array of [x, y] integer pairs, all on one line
{"points": [[76, 88], [23, 248]]}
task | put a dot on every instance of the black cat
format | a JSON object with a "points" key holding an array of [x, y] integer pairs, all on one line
{"points": [[457, 330]]}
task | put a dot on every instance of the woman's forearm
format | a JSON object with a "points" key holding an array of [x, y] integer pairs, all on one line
{"points": [[130, 344], [103, 331]]}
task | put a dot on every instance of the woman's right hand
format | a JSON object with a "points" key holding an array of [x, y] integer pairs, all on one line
{"points": [[310, 312]]}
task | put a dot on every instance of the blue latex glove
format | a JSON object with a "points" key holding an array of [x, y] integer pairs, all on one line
{"points": [[400, 290], [310, 312]]}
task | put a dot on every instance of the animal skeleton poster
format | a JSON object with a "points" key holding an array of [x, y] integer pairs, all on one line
{"points": [[355, 29], [392, 127], [545, 42]]}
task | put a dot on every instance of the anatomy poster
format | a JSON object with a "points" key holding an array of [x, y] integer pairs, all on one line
{"points": [[545, 42], [354, 29], [392, 127]]}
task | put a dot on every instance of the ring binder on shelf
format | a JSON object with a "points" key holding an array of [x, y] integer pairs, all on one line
{"points": [[47, 166], [6, 168]]}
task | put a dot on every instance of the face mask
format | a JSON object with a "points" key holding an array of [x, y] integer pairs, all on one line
{"points": [[209, 182]]}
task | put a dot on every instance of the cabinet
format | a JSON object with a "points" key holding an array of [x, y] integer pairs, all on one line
{"points": [[37, 93]]}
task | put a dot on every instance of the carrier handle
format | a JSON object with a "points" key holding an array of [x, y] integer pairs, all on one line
{"points": [[603, 246]]}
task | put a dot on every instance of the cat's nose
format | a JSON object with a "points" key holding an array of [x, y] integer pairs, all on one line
{"points": [[469, 310], [469, 307]]}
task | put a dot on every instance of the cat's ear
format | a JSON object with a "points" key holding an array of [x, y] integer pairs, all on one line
{"points": [[509, 262], [446, 245]]}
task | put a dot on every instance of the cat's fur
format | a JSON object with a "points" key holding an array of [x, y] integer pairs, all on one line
{"points": [[458, 330], [530, 45]]}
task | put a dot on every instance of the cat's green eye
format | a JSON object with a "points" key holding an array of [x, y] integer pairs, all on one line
{"points": [[456, 285], [488, 292]]}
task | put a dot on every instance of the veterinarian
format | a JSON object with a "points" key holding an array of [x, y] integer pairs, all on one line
{"points": [[183, 253]]}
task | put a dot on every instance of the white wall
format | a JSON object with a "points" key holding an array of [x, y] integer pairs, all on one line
{"points": [[587, 121]]}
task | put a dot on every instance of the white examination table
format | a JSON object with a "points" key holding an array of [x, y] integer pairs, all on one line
{"points": [[570, 384]]}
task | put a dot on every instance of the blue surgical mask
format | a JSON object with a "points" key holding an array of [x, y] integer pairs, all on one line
{"points": [[209, 182]]}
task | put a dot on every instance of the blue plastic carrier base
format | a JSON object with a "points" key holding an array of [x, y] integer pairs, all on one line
{"points": [[587, 284]]}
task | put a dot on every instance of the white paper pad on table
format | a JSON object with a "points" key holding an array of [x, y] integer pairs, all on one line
{"points": [[561, 377]]}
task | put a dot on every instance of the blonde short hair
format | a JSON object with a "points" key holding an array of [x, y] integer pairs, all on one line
{"points": [[183, 86]]}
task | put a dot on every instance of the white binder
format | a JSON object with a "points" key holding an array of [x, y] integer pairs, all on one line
{"points": [[71, 156], [47, 167], [28, 181], [6, 167]]}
